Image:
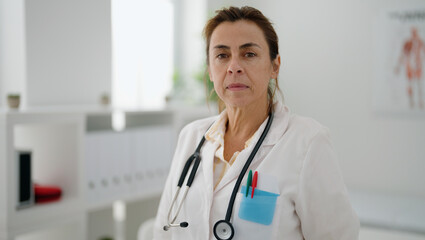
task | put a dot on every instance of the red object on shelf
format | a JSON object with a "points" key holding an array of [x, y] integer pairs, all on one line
{"points": [[44, 194]]}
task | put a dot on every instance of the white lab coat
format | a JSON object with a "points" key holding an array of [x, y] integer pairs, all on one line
{"points": [[299, 163]]}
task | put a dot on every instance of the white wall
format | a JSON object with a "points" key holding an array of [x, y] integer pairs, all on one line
{"points": [[328, 54], [68, 51], [12, 48], [55, 52]]}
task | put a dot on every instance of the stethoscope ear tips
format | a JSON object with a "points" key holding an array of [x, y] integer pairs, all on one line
{"points": [[184, 224], [166, 228]]}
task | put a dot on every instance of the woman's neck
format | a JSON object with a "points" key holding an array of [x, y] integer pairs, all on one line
{"points": [[244, 122]]}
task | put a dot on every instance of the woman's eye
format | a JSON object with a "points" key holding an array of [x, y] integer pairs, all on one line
{"points": [[250, 54], [221, 56]]}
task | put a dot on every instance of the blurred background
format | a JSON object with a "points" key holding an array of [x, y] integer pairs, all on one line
{"points": [[108, 74]]}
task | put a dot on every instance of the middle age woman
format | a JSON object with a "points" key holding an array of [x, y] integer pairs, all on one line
{"points": [[299, 193]]}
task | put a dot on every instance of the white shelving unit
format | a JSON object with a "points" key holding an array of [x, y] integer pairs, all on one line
{"points": [[56, 143], [131, 164], [69, 149]]}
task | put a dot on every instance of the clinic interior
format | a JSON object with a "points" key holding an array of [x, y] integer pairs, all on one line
{"points": [[109, 74]]}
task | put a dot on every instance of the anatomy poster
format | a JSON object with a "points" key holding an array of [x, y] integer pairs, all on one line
{"points": [[400, 61]]}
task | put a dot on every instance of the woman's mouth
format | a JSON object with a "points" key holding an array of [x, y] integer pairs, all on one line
{"points": [[236, 87]]}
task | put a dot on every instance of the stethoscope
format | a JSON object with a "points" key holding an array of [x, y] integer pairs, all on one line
{"points": [[223, 229]]}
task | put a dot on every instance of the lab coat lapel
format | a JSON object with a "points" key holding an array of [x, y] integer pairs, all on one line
{"points": [[207, 161], [277, 129], [280, 123]]}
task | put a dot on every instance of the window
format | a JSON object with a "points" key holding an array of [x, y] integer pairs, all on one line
{"points": [[142, 52]]}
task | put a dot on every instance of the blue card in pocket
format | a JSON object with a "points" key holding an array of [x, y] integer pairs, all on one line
{"points": [[260, 208]]}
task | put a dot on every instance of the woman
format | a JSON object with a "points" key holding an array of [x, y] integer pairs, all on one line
{"points": [[291, 188]]}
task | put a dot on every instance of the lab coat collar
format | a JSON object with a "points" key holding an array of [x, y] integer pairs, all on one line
{"points": [[216, 132], [277, 129]]}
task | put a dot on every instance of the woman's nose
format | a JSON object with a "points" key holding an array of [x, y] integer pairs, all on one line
{"points": [[234, 66]]}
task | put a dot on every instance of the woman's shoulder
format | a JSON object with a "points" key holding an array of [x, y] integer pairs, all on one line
{"points": [[306, 126], [306, 123], [293, 122], [197, 127]]}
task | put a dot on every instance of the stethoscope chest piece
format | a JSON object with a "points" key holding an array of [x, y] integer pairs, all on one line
{"points": [[223, 230]]}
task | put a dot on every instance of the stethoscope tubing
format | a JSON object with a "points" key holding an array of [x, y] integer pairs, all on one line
{"points": [[197, 157], [246, 166]]}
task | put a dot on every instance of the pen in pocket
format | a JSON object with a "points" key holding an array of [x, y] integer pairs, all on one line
{"points": [[248, 182], [254, 183]]}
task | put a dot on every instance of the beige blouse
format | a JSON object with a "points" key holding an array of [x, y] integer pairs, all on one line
{"points": [[216, 135]]}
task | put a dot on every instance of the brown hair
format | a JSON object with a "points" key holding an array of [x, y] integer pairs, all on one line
{"points": [[233, 14]]}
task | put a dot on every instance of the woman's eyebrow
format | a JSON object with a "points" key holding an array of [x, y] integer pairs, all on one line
{"points": [[248, 45], [243, 46], [220, 46]]}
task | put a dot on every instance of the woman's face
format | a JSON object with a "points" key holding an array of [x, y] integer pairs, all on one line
{"points": [[240, 65]]}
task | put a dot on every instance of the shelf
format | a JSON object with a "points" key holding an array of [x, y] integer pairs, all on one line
{"points": [[131, 164], [103, 121], [69, 147], [55, 142], [147, 194], [47, 215]]}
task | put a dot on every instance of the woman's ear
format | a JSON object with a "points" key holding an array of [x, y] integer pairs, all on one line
{"points": [[276, 66]]}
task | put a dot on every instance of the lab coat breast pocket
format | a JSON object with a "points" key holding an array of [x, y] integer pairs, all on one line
{"points": [[256, 218]]}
